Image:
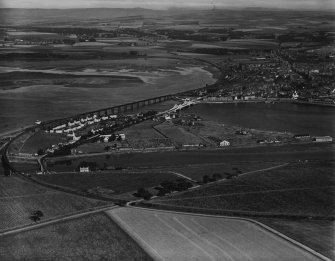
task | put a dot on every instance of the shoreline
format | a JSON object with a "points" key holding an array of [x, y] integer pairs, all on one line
{"points": [[270, 102]]}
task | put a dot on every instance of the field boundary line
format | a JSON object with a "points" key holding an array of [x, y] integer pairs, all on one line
{"points": [[56, 220], [265, 227], [246, 193], [182, 176]]}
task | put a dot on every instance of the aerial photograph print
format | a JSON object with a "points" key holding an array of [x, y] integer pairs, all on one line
{"points": [[151, 130]]}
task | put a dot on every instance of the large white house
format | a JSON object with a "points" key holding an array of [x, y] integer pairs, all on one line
{"points": [[224, 143]]}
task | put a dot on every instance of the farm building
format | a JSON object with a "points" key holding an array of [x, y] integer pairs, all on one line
{"points": [[323, 139], [302, 136], [224, 143], [84, 169]]}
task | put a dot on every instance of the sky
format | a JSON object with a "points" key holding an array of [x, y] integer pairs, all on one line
{"points": [[165, 4]]}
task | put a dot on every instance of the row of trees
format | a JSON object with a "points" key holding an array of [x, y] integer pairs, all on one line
{"points": [[218, 176], [165, 187]]}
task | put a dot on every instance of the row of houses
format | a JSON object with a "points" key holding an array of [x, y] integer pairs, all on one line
{"points": [[76, 125]]}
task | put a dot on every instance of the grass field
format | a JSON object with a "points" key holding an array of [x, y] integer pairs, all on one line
{"points": [[197, 171], [178, 134], [228, 132], [185, 158], [116, 182], [143, 130], [41, 140], [19, 198], [93, 237], [300, 188], [189, 237], [316, 234], [18, 143]]}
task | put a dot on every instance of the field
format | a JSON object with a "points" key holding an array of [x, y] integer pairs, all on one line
{"points": [[114, 182], [93, 237], [185, 158], [297, 189], [189, 237], [19, 198], [221, 132], [41, 140], [143, 130], [305, 189], [18, 143], [178, 134], [305, 231], [197, 171]]}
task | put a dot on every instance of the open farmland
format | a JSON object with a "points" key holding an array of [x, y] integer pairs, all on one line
{"points": [[93, 237], [297, 189], [197, 171], [112, 182], [181, 158], [305, 189], [19, 198], [304, 231], [190, 237]]}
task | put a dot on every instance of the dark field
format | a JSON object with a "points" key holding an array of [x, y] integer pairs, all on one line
{"points": [[184, 158], [41, 140], [26, 167], [297, 189], [115, 182], [19, 198], [197, 171], [316, 234], [94, 237]]}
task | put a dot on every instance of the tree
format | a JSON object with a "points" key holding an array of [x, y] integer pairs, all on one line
{"points": [[40, 152], [36, 215], [217, 176], [206, 179], [143, 193]]}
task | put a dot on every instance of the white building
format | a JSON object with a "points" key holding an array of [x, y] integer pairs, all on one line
{"points": [[323, 139], [84, 169], [224, 143], [295, 95]]}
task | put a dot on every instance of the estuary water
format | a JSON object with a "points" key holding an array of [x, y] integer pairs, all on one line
{"points": [[23, 106], [289, 117]]}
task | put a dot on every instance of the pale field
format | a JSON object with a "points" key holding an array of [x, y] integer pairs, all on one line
{"points": [[171, 236]]}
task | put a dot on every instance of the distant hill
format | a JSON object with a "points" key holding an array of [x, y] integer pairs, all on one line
{"points": [[38, 17]]}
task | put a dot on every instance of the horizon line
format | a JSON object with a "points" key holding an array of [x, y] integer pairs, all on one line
{"points": [[217, 8]]}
